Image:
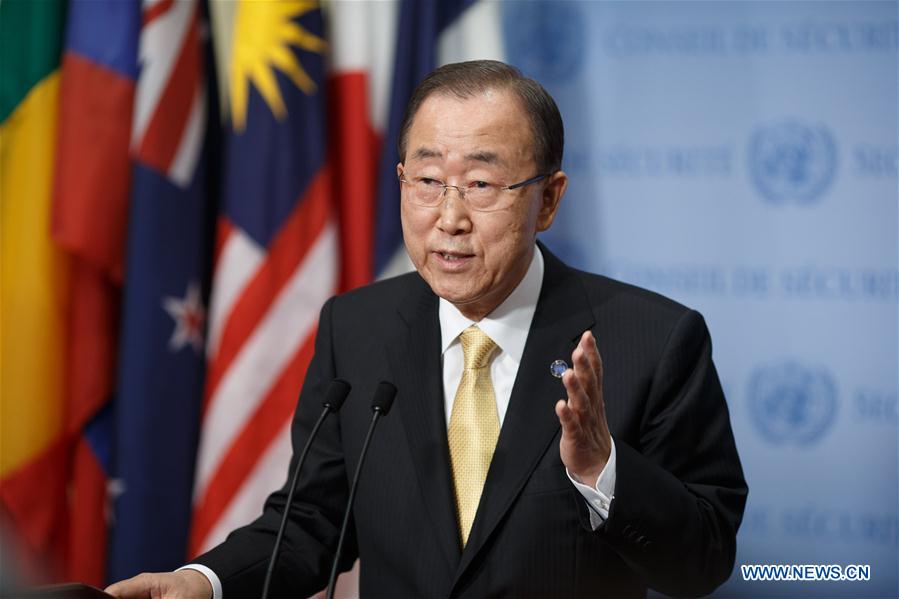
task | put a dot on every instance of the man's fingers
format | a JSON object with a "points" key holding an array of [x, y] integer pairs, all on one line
{"points": [[563, 412], [566, 418], [595, 358], [590, 366], [577, 399], [186, 584], [137, 586], [584, 369]]}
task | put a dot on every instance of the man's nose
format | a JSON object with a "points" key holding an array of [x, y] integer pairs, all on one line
{"points": [[454, 218]]}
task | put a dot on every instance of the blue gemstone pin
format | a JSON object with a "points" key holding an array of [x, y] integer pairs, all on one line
{"points": [[558, 368]]}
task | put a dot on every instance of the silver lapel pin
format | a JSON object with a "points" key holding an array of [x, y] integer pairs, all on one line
{"points": [[558, 368]]}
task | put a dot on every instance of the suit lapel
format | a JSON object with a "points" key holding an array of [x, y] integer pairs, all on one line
{"points": [[563, 314], [414, 357]]}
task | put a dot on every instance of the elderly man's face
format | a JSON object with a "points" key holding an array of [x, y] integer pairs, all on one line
{"points": [[475, 259]]}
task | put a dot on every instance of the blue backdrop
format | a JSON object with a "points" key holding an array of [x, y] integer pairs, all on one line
{"points": [[742, 159]]}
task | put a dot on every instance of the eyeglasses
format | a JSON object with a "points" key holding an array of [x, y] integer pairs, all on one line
{"points": [[481, 196]]}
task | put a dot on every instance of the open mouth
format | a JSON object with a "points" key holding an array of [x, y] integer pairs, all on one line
{"points": [[452, 258]]}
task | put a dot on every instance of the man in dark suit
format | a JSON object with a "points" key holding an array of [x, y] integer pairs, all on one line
{"points": [[483, 482]]}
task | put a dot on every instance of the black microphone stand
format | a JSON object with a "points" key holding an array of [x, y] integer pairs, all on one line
{"points": [[380, 405], [337, 393]]}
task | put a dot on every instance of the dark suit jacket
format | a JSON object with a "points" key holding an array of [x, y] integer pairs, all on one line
{"points": [[679, 494]]}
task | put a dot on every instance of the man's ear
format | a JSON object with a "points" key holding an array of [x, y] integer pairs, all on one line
{"points": [[399, 169], [550, 198]]}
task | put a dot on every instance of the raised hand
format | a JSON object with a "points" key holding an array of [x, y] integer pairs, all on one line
{"points": [[586, 441]]}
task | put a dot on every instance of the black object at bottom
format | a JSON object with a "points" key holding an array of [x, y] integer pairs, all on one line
{"points": [[70, 590]]}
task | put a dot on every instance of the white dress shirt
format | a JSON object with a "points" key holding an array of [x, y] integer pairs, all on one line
{"points": [[508, 325]]}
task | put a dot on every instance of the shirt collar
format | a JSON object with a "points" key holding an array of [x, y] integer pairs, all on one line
{"points": [[509, 323]]}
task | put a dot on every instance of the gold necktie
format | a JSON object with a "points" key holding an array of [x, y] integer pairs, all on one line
{"points": [[474, 426]]}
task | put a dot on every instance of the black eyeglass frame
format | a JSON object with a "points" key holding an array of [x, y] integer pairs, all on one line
{"points": [[526, 182]]}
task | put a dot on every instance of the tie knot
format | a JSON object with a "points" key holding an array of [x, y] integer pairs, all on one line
{"points": [[477, 348]]}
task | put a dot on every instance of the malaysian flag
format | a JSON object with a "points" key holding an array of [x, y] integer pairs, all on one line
{"points": [[276, 258]]}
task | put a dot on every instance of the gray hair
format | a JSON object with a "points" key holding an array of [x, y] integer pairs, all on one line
{"points": [[464, 80]]}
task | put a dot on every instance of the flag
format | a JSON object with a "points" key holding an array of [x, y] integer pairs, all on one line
{"points": [[93, 174], [359, 43], [161, 361], [380, 51], [276, 258], [34, 287], [429, 33]]}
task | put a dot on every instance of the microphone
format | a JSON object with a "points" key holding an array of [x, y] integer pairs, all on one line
{"points": [[380, 405], [334, 398]]}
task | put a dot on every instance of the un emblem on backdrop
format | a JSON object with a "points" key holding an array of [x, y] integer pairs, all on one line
{"points": [[792, 404], [792, 162], [546, 40]]}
